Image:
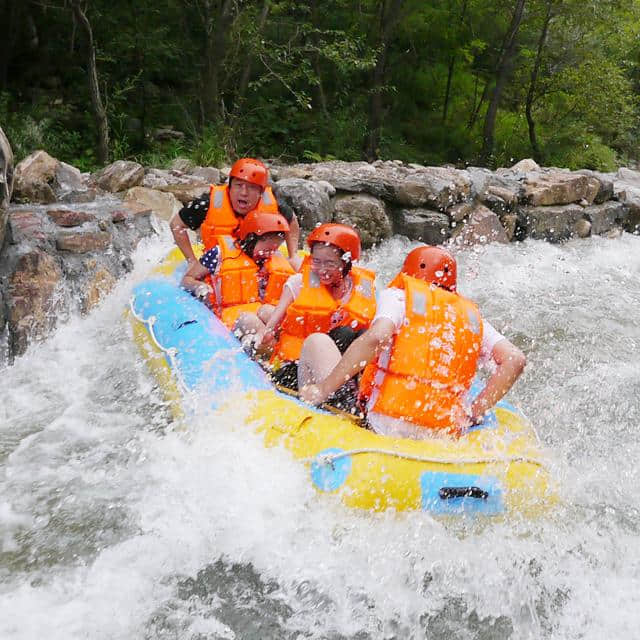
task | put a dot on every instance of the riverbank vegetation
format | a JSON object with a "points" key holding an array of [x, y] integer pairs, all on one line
{"points": [[428, 81]]}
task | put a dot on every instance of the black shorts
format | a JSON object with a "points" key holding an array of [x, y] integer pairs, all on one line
{"points": [[346, 397]]}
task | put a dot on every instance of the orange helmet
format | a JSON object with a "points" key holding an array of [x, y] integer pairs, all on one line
{"points": [[432, 264], [260, 222], [250, 170], [339, 235]]}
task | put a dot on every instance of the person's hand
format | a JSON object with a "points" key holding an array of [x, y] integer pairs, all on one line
{"points": [[312, 394], [203, 290], [265, 338]]}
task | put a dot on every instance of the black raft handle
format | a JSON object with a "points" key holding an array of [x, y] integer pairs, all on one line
{"points": [[448, 493]]}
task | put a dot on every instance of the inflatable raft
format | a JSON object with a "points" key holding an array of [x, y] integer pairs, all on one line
{"points": [[498, 467]]}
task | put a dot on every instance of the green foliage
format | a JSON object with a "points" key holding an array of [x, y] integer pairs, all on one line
{"points": [[297, 80]]}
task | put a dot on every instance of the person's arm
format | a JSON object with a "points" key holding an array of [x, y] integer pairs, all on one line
{"points": [[510, 362], [266, 337], [181, 236], [292, 238], [193, 278], [361, 352]]}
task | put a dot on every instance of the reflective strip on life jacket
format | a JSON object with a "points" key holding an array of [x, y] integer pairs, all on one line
{"points": [[423, 376]]}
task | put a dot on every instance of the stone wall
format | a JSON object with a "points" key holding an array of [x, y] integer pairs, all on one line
{"points": [[64, 250]]}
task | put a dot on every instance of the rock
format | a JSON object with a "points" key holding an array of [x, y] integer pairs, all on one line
{"points": [[438, 187], [508, 196], [31, 300], [81, 196], [68, 218], [431, 227], [69, 179], [308, 199], [582, 228], [164, 205], [629, 176], [605, 185], [327, 186], [558, 188], [525, 166], [6, 183], [605, 217], [28, 227], [207, 175], [185, 165], [496, 204], [550, 223], [482, 227], [101, 283], [3, 315], [509, 222], [119, 176], [80, 242], [366, 214], [458, 212], [34, 178], [186, 192]]}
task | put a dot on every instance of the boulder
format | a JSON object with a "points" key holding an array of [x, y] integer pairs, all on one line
{"points": [[527, 165], [481, 179], [607, 216], [437, 187], [558, 188], [207, 175], [366, 214], [34, 178], [184, 165], [100, 284], [163, 204], [431, 227], [482, 227], [119, 176], [309, 200], [458, 212], [186, 192], [83, 242], [510, 223], [69, 218], [32, 304], [628, 176], [582, 228], [29, 227], [550, 223], [605, 185], [6, 184]]}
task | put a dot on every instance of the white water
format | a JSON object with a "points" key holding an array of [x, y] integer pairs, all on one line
{"points": [[117, 524]]}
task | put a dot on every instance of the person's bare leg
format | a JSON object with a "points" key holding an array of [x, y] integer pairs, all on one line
{"points": [[318, 357]]}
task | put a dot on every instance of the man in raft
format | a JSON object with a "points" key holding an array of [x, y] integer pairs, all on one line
{"points": [[421, 355], [321, 311], [220, 211], [243, 277]]}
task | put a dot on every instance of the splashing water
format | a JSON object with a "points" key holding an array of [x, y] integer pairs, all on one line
{"points": [[117, 523]]}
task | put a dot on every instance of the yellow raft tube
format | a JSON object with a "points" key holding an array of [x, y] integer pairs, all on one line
{"points": [[498, 467]]}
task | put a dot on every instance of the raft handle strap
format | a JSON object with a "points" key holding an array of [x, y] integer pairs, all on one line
{"points": [[448, 493]]}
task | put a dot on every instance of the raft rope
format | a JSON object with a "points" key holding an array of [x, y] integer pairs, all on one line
{"points": [[330, 458], [171, 352]]}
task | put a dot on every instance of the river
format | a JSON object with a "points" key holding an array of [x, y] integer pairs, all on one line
{"points": [[116, 523]]}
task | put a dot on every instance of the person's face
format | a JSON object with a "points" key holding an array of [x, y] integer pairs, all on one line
{"points": [[266, 246], [326, 262], [244, 195]]}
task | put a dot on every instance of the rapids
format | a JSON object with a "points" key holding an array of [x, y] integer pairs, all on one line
{"points": [[116, 523]]}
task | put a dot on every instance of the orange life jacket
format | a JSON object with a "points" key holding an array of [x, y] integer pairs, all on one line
{"points": [[221, 220], [315, 310], [236, 284], [424, 375]]}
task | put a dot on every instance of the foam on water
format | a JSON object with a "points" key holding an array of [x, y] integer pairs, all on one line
{"points": [[117, 523]]}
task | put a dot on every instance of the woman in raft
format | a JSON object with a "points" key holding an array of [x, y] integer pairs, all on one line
{"points": [[321, 312], [243, 277]]}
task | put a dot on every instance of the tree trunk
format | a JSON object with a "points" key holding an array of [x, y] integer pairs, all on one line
{"points": [[452, 62], [246, 72], [388, 17], [216, 27], [502, 73], [99, 112], [533, 138], [9, 19]]}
